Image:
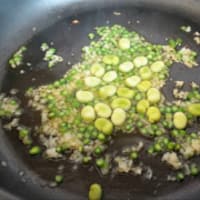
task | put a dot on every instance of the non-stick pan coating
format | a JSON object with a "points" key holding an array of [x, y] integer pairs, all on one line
{"points": [[69, 38]]}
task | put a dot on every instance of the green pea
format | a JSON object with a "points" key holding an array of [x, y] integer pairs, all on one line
{"points": [[180, 176], [193, 135], [77, 121], [23, 133], [87, 135], [174, 109], [63, 127], [139, 124], [64, 147], [157, 147], [35, 150], [100, 162], [56, 84], [51, 106], [162, 76], [182, 132], [50, 97], [18, 59], [62, 81], [194, 170], [177, 147], [151, 132], [154, 127], [165, 141], [76, 104], [98, 150], [159, 132], [86, 159], [134, 155], [165, 123], [61, 114], [168, 124], [59, 179], [138, 97], [52, 115], [174, 43], [129, 127], [144, 131], [168, 110], [27, 140], [82, 129], [59, 149], [101, 137], [79, 135], [175, 133], [171, 145], [90, 128], [151, 150], [13, 102], [86, 141], [94, 134]]}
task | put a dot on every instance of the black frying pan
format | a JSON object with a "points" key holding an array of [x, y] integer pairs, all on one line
{"points": [[23, 177]]}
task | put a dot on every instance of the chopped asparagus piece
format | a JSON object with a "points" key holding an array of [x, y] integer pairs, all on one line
{"points": [[125, 92], [104, 125], [107, 91], [118, 117], [194, 109], [126, 66], [153, 114], [84, 96], [142, 106], [180, 120], [95, 192], [103, 110], [157, 66], [88, 114], [140, 61], [121, 102], [110, 76], [144, 86], [97, 70], [145, 73], [133, 81], [111, 60], [153, 95], [92, 81], [124, 43]]}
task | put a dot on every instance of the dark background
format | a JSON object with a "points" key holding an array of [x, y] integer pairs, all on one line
{"points": [[17, 19]]}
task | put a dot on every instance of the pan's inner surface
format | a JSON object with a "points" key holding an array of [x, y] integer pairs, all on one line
{"points": [[68, 39]]}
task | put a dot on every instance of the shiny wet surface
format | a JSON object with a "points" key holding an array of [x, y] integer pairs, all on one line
{"points": [[68, 39]]}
